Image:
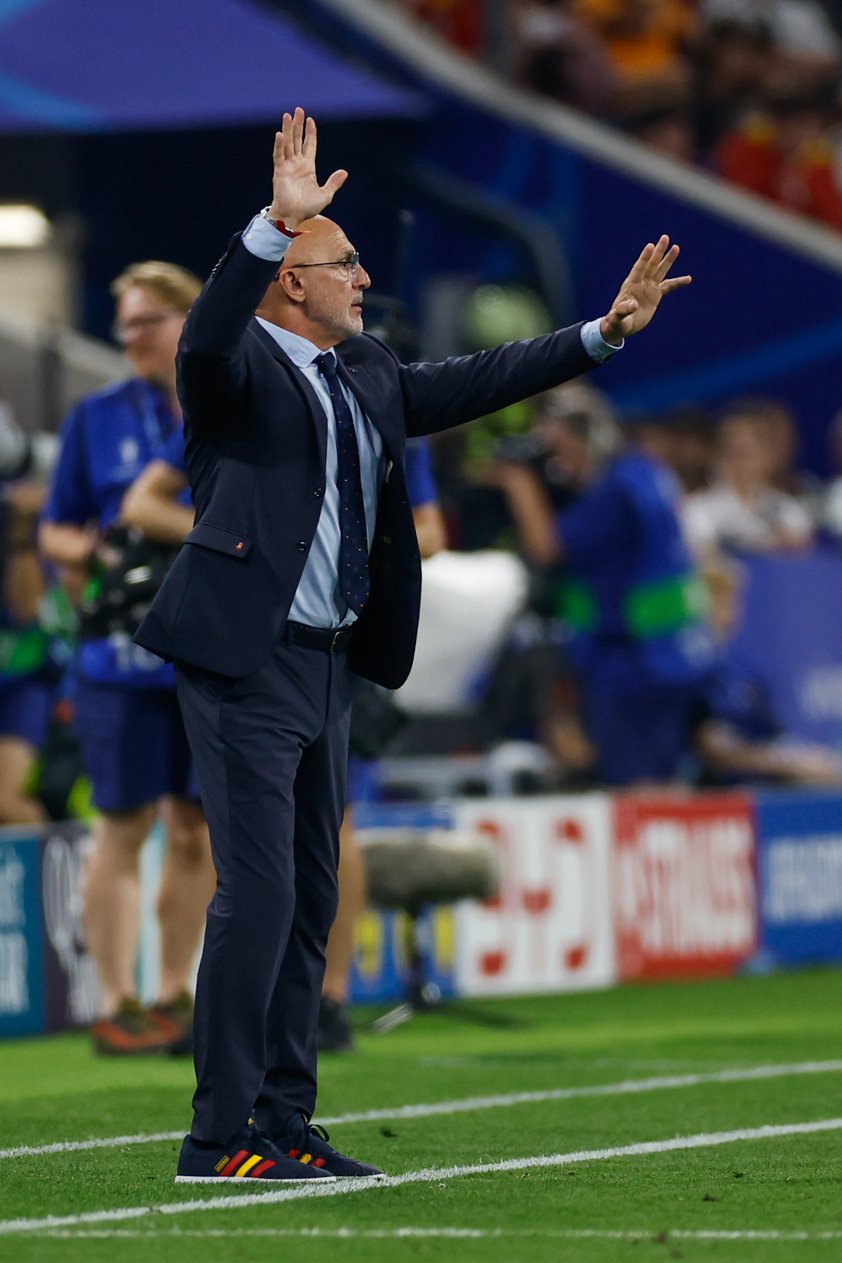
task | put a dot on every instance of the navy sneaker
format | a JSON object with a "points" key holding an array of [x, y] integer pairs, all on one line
{"points": [[308, 1144], [248, 1156]]}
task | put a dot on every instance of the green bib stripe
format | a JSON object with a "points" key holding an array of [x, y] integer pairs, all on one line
{"points": [[22, 652], [649, 609], [577, 605], [665, 605]]}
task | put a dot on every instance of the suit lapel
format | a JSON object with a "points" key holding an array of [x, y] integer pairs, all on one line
{"points": [[299, 382], [373, 403], [354, 377]]}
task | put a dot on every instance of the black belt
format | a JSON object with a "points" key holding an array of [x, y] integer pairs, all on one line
{"points": [[328, 639]]}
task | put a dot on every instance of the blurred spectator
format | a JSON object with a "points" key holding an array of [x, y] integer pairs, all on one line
{"points": [[693, 446], [784, 152], [666, 124], [747, 86], [805, 49], [458, 21], [731, 67], [126, 714], [829, 507], [785, 444], [649, 42], [743, 510], [737, 736], [560, 56]]}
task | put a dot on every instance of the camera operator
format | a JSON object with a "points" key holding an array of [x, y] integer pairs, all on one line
{"points": [[541, 473], [126, 714]]}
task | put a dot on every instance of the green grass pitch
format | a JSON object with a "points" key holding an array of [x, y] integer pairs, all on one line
{"points": [[698, 1121]]}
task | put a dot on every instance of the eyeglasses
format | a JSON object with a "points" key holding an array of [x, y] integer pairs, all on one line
{"points": [[122, 329], [350, 266]]}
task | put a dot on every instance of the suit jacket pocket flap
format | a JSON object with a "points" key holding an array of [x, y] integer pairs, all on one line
{"points": [[219, 538]]}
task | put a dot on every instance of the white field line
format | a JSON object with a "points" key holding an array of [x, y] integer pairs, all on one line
{"points": [[311, 1189], [397, 1234], [466, 1105], [663, 1064]]}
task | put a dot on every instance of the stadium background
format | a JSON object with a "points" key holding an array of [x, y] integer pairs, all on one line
{"points": [[135, 146], [136, 157]]}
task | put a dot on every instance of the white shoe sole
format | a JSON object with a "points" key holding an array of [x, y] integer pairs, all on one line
{"points": [[243, 1180]]}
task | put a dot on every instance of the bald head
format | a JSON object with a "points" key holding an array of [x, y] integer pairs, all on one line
{"points": [[314, 234], [318, 292]]}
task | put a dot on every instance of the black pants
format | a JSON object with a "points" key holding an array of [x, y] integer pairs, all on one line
{"points": [[271, 756]]}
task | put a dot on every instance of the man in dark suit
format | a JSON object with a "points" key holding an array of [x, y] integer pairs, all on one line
{"points": [[301, 569]]}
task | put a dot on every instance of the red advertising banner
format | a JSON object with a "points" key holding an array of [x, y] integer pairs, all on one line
{"points": [[684, 886]]}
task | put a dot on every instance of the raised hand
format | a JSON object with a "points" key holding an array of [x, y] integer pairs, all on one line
{"points": [[296, 193], [642, 290]]}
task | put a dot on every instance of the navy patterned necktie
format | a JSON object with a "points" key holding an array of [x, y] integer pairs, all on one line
{"points": [[353, 545]]}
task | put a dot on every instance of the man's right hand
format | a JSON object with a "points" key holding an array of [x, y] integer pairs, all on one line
{"points": [[296, 193]]}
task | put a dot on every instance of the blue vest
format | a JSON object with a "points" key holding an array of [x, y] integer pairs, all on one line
{"points": [[106, 441], [631, 578]]}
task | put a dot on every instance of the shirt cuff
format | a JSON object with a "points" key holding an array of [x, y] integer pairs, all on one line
{"points": [[594, 343], [263, 239]]}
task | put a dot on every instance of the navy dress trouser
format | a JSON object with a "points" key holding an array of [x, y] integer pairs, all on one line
{"points": [[271, 755]]}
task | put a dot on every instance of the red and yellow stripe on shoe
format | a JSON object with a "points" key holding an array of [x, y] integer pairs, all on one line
{"points": [[243, 1165], [305, 1158]]}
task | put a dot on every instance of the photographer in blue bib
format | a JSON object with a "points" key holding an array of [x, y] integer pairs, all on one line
{"points": [[630, 597], [126, 715]]}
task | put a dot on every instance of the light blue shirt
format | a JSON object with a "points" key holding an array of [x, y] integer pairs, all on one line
{"points": [[317, 601]]}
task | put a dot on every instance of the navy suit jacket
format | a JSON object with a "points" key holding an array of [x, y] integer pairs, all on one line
{"points": [[255, 447]]}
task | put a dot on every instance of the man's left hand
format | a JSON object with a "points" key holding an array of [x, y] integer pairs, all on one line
{"points": [[641, 291]]}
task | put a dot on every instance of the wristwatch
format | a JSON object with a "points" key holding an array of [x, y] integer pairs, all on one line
{"points": [[278, 223]]}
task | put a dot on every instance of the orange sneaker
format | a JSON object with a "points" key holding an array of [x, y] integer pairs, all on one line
{"points": [[129, 1033], [175, 1022]]}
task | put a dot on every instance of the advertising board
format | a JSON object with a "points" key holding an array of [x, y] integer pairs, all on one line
{"points": [[549, 929], [800, 876], [683, 884], [71, 988], [21, 982]]}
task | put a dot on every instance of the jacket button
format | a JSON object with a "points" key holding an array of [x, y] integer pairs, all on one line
{"points": [[302, 544], [318, 493]]}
